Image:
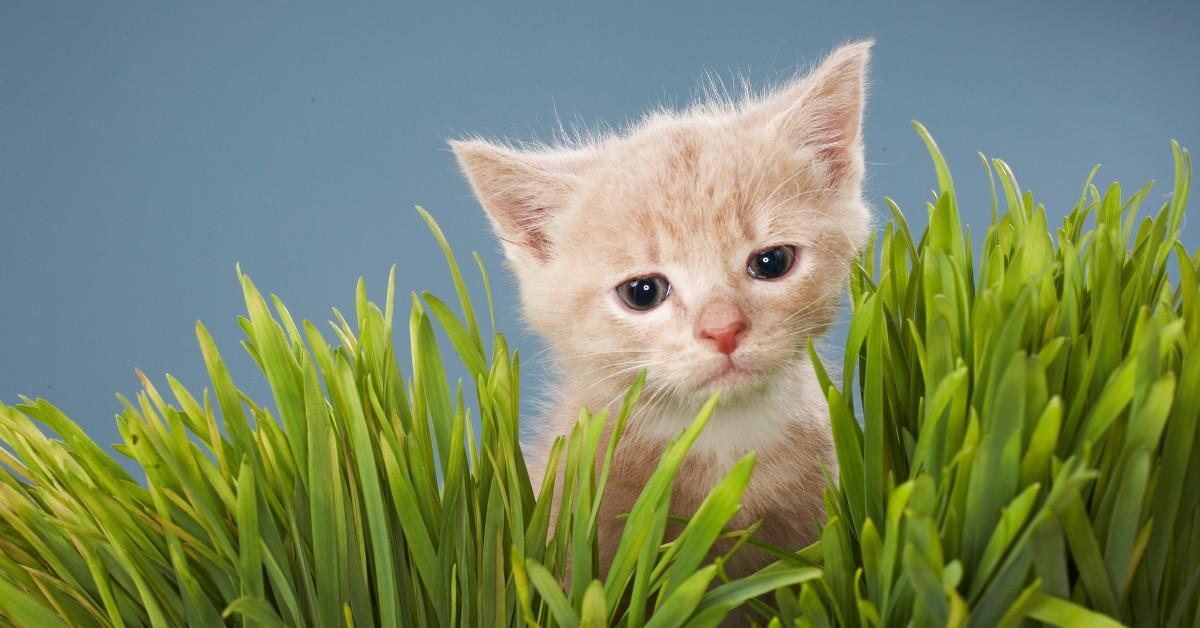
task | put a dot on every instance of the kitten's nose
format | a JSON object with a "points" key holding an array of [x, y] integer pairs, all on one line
{"points": [[721, 322], [725, 337]]}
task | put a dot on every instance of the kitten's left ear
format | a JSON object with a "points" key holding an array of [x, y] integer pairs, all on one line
{"points": [[824, 111], [521, 191]]}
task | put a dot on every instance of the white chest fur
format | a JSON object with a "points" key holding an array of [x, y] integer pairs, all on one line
{"points": [[742, 423]]}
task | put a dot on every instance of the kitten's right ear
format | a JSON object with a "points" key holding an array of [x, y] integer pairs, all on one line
{"points": [[520, 190], [824, 111]]}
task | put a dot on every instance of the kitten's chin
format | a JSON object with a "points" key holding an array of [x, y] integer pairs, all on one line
{"points": [[733, 380]]}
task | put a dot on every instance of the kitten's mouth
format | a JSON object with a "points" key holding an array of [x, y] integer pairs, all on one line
{"points": [[730, 376]]}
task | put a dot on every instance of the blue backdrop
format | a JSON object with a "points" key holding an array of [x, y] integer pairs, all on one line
{"points": [[146, 148]]}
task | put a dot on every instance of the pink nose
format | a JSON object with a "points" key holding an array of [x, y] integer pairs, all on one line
{"points": [[725, 337]]}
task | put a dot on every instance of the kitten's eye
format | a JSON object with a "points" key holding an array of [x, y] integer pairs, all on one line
{"points": [[771, 263], [644, 293]]}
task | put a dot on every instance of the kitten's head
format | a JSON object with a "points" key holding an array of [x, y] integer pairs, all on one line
{"points": [[706, 246]]}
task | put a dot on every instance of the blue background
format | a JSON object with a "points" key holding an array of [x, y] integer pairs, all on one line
{"points": [[145, 149]]}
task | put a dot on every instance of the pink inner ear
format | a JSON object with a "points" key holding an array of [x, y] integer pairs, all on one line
{"points": [[521, 219], [837, 160], [536, 240], [841, 125]]}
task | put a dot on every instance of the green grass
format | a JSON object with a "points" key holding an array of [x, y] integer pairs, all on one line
{"points": [[1029, 409]]}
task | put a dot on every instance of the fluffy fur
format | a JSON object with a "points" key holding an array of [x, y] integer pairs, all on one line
{"points": [[691, 195]]}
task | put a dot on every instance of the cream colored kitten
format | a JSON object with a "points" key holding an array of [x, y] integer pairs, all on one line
{"points": [[706, 246]]}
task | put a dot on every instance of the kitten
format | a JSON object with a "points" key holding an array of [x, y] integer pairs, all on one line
{"points": [[706, 246]]}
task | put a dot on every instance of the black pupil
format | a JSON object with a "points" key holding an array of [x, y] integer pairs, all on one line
{"points": [[643, 292], [771, 263]]}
